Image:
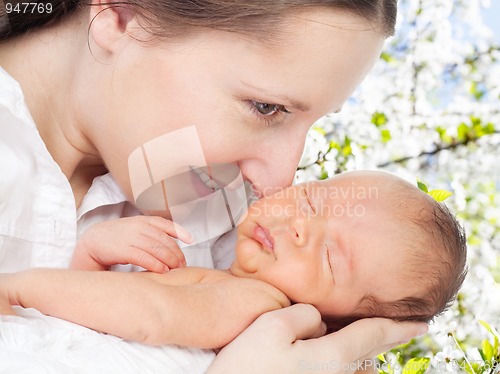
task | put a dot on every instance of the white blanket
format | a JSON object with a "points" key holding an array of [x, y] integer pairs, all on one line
{"points": [[34, 343]]}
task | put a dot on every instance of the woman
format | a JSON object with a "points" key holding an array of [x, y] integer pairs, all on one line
{"points": [[99, 81]]}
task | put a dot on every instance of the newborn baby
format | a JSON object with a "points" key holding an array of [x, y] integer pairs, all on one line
{"points": [[361, 244]]}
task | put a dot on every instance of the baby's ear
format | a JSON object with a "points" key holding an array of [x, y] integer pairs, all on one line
{"points": [[111, 24]]}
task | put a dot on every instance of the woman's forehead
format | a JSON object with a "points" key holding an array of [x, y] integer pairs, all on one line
{"points": [[344, 49]]}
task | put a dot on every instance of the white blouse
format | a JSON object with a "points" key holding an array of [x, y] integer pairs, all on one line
{"points": [[39, 222]]}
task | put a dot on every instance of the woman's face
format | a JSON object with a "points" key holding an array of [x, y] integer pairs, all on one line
{"points": [[252, 102]]}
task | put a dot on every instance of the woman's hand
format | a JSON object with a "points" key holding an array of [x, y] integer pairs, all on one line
{"points": [[144, 241], [5, 306], [274, 344]]}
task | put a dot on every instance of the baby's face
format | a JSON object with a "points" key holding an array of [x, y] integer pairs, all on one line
{"points": [[328, 243]]}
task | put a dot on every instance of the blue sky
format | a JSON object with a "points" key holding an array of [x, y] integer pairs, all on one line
{"points": [[492, 18]]}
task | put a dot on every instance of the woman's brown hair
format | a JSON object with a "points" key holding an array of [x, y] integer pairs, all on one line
{"points": [[174, 18]]}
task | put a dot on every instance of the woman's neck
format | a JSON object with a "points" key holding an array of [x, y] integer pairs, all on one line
{"points": [[47, 63]]}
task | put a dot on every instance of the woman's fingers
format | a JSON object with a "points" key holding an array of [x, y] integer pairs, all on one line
{"points": [[369, 337], [349, 348], [276, 339], [268, 345], [299, 321]]}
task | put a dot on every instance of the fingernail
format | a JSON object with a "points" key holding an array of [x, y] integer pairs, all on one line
{"points": [[183, 234], [323, 326], [187, 237]]}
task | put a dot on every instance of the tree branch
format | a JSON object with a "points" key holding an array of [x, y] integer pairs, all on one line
{"points": [[439, 148]]}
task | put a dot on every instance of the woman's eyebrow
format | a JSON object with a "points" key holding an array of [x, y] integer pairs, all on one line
{"points": [[297, 104]]}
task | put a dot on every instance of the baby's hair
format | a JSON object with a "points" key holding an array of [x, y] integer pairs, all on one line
{"points": [[438, 252], [177, 18]]}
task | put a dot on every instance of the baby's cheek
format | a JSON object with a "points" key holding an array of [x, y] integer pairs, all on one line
{"points": [[249, 256]]}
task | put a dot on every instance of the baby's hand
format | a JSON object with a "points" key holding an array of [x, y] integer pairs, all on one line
{"points": [[145, 241]]}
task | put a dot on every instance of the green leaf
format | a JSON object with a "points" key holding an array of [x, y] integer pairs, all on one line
{"points": [[381, 357], [487, 351], [492, 332], [477, 91], [386, 135], [379, 119], [476, 121], [440, 195], [443, 134], [474, 368], [488, 129], [334, 145], [422, 186], [418, 365], [387, 57], [463, 132], [319, 130], [487, 326], [347, 149]]}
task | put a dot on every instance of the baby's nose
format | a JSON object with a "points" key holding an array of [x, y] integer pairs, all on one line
{"points": [[294, 231], [299, 230]]}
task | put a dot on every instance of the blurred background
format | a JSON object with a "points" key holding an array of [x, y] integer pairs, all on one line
{"points": [[430, 110]]}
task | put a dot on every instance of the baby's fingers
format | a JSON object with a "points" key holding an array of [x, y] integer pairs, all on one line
{"points": [[140, 257], [163, 248], [168, 252], [172, 229]]}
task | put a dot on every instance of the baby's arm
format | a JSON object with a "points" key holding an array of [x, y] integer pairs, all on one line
{"points": [[142, 240], [144, 307]]}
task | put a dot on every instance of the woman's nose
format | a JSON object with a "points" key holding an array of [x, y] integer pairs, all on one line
{"points": [[275, 168]]}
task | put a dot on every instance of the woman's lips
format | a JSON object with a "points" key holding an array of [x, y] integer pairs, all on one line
{"points": [[263, 236], [202, 183]]}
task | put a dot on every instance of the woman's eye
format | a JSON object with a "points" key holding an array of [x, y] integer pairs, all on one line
{"points": [[268, 114], [267, 109]]}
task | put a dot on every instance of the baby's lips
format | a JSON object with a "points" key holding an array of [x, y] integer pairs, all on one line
{"points": [[263, 236]]}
